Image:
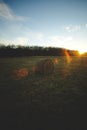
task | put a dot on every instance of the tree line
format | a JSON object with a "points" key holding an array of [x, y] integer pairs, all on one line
{"points": [[19, 51]]}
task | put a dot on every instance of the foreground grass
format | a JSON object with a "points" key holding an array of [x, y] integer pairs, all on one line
{"points": [[53, 101]]}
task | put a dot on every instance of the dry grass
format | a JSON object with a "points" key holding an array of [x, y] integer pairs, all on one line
{"points": [[58, 99]]}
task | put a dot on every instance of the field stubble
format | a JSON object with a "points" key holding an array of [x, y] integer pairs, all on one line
{"points": [[59, 98]]}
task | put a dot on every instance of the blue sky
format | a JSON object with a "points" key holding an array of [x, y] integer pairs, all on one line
{"points": [[58, 23]]}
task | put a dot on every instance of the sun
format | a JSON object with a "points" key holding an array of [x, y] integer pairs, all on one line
{"points": [[81, 52]]}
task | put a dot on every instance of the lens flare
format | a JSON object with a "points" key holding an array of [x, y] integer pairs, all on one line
{"points": [[68, 57], [56, 61], [66, 65], [20, 73]]}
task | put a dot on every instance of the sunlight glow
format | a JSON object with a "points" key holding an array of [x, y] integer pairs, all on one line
{"points": [[81, 52]]}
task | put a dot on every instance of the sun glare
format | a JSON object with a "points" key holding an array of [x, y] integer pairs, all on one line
{"points": [[81, 52]]}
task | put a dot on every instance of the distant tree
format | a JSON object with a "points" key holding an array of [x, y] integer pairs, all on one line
{"points": [[12, 50]]}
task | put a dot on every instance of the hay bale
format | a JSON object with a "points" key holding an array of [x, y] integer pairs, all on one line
{"points": [[45, 67]]}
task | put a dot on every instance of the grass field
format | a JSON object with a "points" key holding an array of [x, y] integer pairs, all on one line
{"points": [[56, 101]]}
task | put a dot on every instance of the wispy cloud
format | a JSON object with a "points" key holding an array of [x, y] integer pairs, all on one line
{"points": [[21, 41], [36, 36], [72, 28], [58, 41], [7, 13], [27, 38], [16, 41], [86, 25], [61, 39]]}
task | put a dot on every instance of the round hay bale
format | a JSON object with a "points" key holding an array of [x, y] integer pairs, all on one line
{"points": [[45, 67]]}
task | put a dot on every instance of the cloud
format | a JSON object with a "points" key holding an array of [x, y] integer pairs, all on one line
{"points": [[58, 41], [7, 13], [72, 28], [23, 41], [86, 25], [37, 36], [29, 38], [61, 39]]}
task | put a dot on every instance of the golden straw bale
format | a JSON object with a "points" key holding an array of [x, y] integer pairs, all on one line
{"points": [[45, 67]]}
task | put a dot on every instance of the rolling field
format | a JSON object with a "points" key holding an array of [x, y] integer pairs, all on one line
{"points": [[55, 101]]}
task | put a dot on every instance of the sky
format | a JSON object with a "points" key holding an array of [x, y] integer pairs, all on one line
{"points": [[48, 23]]}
